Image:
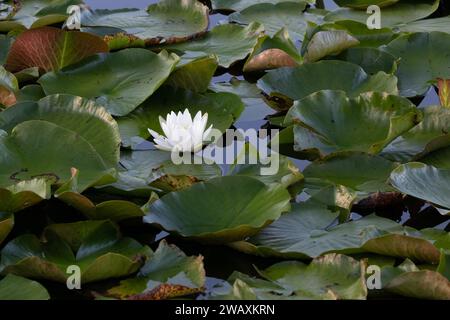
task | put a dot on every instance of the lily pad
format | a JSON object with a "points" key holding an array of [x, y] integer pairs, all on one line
{"points": [[6, 225], [36, 13], [52, 49], [119, 81], [168, 21], [246, 205], [18, 288], [372, 60], [358, 171], [193, 73], [328, 121], [289, 15], [297, 83], [229, 42], [168, 274], [81, 116], [427, 25], [98, 251], [400, 13], [332, 276], [363, 4], [238, 5], [309, 231], [28, 154], [430, 134], [273, 52], [328, 43], [422, 57], [222, 108], [408, 280], [143, 172], [424, 182], [24, 194], [5, 44]]}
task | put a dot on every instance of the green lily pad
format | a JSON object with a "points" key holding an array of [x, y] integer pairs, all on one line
{"points": [[96, 248], [427, 25], [18, 288], [5, 45], [143, 172], [168, 21], [36, 13], [422, 57], [52, 49], [33, 150], [238, 5], [430, 134], [409, 281], [277, 16], [438, 158], [229, 42], [168, 274], [328, 43], [6, 225], [81, 116], [400, 13], [358, 171], [24, 194], [328, 121], [119, 81], [372, 60], [246, 205], [32, 92], [193, 72], [363, 4], [273, 52], [297, 83], [424, 182], [222, 108], [308, 231]]}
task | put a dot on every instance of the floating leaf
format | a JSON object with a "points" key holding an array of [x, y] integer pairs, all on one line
{"points": [[277, 16], [24, 194], [429, 135], [8, 88], [358, 171], [36, 13], [400, 13], [430, 49], [168, 274], [328, 121], [81, 116], [245, 206], [52, 49], [424, 182], [18, 288], [297, 83], [102, 253], [238, 5], [325, 43], [168, 21], [146, 171], [229, 42], [5, 44], [28, 153], [308, 231], [408, 280], [372, 60], [119, 81], [363, 4]]}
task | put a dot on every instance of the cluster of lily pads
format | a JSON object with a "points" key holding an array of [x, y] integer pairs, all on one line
{"points": [[77, 187]]}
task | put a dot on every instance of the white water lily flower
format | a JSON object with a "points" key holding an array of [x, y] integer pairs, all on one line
{"points": [[182, 133]]}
